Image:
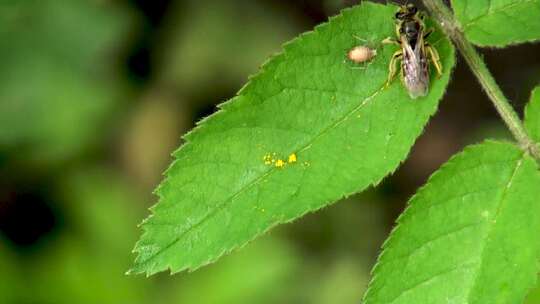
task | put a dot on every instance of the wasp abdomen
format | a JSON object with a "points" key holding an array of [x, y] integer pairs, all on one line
{"points": [[415, 72]]}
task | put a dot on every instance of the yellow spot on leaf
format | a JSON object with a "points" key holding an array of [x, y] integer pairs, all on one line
{"points": [[267, 159], [270, 159], [292, 158]]}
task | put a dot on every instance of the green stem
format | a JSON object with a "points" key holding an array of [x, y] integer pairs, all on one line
{"points": [[446, 20]]}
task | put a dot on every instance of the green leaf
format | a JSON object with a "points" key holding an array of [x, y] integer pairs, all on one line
{"points": [[346, 130], [532, 115], [498, 23], [470, 235]]}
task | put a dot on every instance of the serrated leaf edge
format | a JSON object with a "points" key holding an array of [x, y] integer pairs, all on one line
{"points": [[223, 108]]}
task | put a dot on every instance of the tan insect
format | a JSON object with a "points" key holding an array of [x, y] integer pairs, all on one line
{"points": [[361, 53]]}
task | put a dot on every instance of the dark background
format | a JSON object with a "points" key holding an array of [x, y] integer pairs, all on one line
{"points": [[94, 96]]}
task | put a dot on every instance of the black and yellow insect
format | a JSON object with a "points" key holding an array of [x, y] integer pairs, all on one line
{"points": [[414, 52]]}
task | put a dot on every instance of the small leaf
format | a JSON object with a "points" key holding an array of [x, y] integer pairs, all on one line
{"points": [[498, 23], [470, 235], [532, 115], [306, 131]]}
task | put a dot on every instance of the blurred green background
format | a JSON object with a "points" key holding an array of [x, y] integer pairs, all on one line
{"points": [[94, 96]]}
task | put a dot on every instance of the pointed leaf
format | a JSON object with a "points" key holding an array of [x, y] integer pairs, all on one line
{"points": [[498, 22], [306, 131], [532, 115], [470, 235]]}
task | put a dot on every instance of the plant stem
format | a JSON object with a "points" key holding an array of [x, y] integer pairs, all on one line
{"points": [[446, 20]]}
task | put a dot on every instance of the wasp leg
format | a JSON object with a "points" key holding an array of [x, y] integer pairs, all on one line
{"points": [[392, 67], [359, 39], [389, 40], [434, 55]]}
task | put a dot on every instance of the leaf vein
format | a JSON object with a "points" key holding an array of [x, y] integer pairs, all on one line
{"points": [[462, 266], [494, 11], [258, 179], [500, 206], [446, 234]]}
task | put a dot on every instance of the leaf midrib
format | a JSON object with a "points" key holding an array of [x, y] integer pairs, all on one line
{"points": [[261, 177], [492, 223]]}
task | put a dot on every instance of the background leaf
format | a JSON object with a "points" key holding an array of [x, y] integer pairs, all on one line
{"points": [[468, 236], [498, 23], [12, 281], [56, 74], [186, 57], [532, 115], [242, 278], [534, 295], [236, 175]]}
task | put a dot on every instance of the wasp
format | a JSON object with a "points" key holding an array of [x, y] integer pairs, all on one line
{"points": [[414, 52]]}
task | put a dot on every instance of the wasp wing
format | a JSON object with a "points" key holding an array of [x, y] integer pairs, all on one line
{"points": [[415, 69]]}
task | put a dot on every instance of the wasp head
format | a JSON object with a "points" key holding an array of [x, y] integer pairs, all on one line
{"points": [[409, 23], [410, 29], [407, 11]]}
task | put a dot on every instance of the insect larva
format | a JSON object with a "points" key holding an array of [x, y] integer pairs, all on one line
{"points": [[359, 54]]}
